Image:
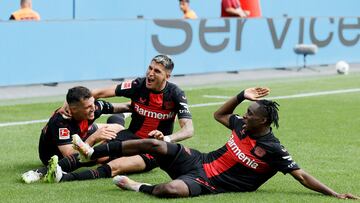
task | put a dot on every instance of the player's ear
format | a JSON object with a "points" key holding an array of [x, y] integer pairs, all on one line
{"points": [[263, 120], [168, 75]]}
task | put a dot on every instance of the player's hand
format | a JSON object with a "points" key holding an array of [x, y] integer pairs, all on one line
{"points": [[104, 133], [347, 196], [156, 134], [65, 110], [255, 93]]}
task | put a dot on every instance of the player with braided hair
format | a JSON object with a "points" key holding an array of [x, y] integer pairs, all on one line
{"points": [[250, 157]]}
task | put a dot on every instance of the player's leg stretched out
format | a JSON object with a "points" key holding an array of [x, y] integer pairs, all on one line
{"points": [[160, 149], [67, 164]]}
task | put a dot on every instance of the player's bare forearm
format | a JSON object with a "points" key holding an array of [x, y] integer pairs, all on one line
{"points": [[66, 150], [104, 92], [186, 131], [122, 107], [223, 114], [312, 183]]}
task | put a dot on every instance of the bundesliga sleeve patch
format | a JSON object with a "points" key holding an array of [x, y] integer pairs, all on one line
{"points": [[126, 85], [64, 133]]}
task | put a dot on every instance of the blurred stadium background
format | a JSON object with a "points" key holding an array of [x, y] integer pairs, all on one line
{"points": [[97, 43]]}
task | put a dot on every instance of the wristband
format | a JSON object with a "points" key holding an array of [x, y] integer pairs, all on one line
{"points": [[167, 139], [240, 97]]}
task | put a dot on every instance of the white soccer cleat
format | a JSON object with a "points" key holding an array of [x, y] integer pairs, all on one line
{"points": [[84, 149], [31, 176], [55, 172], [126, 183]]}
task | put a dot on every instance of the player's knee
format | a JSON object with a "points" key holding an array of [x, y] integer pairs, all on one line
{"points": [[117, 119], [119, 169], [168, 190], [157, 146]]}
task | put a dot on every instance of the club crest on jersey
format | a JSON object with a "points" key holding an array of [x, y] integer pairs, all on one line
{"points": [[64, 133], [169, 105], [260, 152], [142, 100], [126, 85]]}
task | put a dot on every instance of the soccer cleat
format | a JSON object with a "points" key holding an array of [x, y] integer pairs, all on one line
{"points": [[55, 172], [31, 176], [126, 183], [84, 149]]}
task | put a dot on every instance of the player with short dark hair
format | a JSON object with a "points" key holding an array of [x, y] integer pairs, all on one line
{"points": [[250, 157], [55, 138], [155, 103]]}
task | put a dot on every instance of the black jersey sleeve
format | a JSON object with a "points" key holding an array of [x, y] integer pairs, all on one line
{"points": [[182, 105], [282, 161], [60, 132], [235, 122], [103, 107], [129, 88]]}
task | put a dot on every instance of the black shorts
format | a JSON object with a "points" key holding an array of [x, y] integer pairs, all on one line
{"points": [[150, 162], [186, 165]]}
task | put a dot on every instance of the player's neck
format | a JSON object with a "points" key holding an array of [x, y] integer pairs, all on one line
{"points": [[260, 132]]}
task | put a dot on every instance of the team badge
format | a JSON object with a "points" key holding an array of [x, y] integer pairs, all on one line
{"points": [[142, 100], [64, 133], [126, 85], [260, 152], [169, 105]]}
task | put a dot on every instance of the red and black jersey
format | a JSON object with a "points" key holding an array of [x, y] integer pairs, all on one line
{"points": [[244, 163], [59, 129], [153, 110]]}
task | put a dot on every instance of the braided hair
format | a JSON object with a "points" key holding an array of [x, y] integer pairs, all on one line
{"points": [[271, 111]]}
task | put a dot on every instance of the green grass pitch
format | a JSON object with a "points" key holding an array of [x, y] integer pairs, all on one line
{"points": [[320, 132]]}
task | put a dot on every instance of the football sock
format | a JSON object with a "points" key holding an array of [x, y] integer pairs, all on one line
{"points": [[112, 149], [42, 170], [148, 189], [72, 162], [103, 171]]}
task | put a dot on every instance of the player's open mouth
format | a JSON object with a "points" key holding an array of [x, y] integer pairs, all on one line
{"points": [[244, 125], [149, 81]]}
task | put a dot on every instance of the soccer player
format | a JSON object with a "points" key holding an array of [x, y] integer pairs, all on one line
{"points": [[55, 138], [250, 157], [155, 102]]}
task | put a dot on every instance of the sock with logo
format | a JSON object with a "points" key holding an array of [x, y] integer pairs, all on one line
{"points": [[103, 171]]}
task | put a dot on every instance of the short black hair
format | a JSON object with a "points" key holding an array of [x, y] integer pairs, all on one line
{"points": [[76, 94], [271, 111], [187, 1], [165, 61]]}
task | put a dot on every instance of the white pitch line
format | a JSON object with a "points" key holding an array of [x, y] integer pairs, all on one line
{"points": [[215, 103], [23, 122], [312, 94]]}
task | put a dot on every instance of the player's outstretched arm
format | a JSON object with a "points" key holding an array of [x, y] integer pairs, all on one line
{"points": [[223, 114], [312, 183], [122, 107], [104, 92]]}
